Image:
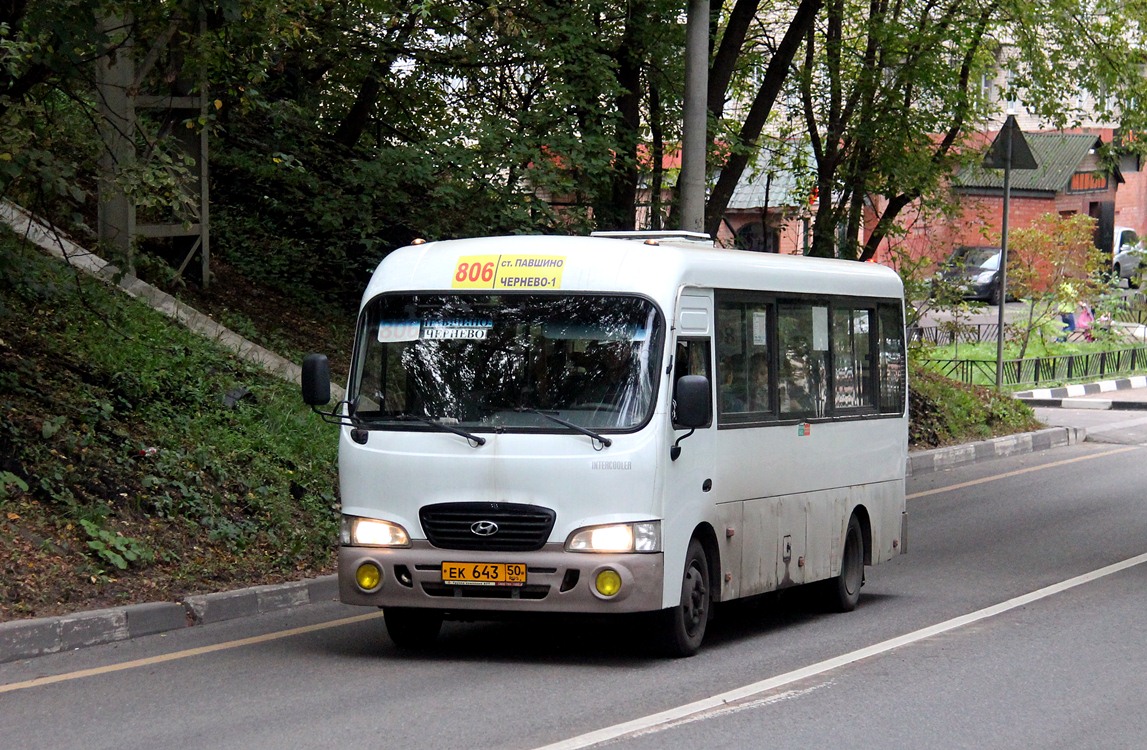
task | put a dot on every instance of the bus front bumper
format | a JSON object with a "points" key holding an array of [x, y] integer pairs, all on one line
{"points": [[556, 580]]}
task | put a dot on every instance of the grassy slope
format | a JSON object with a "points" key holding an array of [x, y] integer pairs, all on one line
{"points": [[123, 474], [90, 381]]}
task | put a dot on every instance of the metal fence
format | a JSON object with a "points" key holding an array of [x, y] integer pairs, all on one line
{"points": [[1036, 370], [946, 335]]}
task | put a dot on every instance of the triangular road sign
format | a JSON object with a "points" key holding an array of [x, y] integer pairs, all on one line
{"points": [[997, 156]]}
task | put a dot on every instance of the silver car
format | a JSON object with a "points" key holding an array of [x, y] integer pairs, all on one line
{"points": [[1128, 250], [975, 271]]}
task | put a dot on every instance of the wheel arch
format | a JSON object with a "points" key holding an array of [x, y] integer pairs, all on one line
{"points": [[705, 534], [865, 520]]}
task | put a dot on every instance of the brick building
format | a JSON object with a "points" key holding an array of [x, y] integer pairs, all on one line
{"points": [[770, 212]]}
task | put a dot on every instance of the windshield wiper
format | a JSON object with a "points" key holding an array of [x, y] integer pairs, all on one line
{"points": [[478, 440], [575, 427]]}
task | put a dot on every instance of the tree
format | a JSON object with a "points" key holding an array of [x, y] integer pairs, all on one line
{"points": [[889, 93], [1054, 267], [745, 142]]}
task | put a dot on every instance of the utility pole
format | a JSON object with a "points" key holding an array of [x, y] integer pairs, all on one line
{"points": [[691, 183]]}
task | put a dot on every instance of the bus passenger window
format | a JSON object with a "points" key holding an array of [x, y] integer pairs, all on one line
{"points": [[744, 364], [803, 342], [759, 382], [892, 365], [733, 390], [852, 354]]}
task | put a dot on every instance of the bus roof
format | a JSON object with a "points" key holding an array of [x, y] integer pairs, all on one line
{"points": [[544, 263]]}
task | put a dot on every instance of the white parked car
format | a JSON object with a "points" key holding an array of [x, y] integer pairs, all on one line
{"points": [[1128, 251]]}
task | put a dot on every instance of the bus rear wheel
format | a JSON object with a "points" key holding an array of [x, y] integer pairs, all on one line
{"points": [[412, 628], [844, 590], [683, 627]]}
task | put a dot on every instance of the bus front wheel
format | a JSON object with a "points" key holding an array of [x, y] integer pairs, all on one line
{"points": [[844, 590], [412, 628], [683, 627]]}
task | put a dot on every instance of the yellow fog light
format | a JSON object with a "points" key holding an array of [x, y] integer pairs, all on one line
{"points": [[368, 576], [608, 582]]}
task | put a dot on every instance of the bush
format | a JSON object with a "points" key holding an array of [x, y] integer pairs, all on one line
{"points": [[945, 412]]}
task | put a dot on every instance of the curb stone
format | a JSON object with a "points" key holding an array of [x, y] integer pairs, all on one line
{"points": [[938, 459], [1065, 396], [22, 639]]}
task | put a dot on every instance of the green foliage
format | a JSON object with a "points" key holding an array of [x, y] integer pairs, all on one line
{"points": [[117, 549], [449, 120], [1055, 267], [8, 479], [115, 424], [946, 412]]}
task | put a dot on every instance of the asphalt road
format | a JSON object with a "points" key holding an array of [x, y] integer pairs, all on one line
{"points": [[1016, 620]]}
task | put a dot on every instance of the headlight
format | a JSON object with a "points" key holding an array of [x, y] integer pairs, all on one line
{"points": [[622, 537], [368, 532], [985, 277]]}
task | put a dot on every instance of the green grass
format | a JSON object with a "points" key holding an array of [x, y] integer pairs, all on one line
{"points": [[122, 468], [1051, 372]]}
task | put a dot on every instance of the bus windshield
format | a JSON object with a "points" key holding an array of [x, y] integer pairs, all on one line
{"points": [[506, 362]]}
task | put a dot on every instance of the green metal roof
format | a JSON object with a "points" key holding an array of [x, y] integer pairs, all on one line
{"points": [[1058, 155]]}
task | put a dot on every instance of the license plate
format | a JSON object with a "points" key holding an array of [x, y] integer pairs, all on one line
{"points": [[483, 574]]}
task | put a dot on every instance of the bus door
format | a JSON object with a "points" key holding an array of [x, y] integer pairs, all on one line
{"points": [[689, 491]]}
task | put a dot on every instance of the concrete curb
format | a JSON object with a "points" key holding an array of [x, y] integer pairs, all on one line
{"points": [[22, 639], [938, 459], [1072, 393]]}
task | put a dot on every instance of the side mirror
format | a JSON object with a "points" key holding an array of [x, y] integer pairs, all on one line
{"points": [[692, 405], [316, 380]]}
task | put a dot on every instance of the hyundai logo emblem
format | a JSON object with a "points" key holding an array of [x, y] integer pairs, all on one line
{"points": [[484, 528]]}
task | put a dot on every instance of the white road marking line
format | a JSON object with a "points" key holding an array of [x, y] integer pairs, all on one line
{"points": [[733, 708], [677, 715], [185, 653]]}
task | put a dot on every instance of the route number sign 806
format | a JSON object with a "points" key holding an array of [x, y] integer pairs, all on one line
{"points": [[484, 574]]}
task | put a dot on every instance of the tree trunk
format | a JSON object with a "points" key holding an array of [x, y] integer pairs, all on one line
{"points": [[755, 121], [724, 62], [354, 124], [657, 156], [620, 208]]}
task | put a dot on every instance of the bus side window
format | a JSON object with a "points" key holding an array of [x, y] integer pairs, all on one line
{"points": [[746, 383], [803, 341], [852, 331], [691, 357], [892, 365]]}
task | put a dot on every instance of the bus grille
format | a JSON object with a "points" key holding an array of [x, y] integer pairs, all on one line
{"points": [[441, 590], [498, 527]]}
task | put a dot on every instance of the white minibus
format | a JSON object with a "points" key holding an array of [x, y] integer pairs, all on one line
{"points": [[598, 425]]}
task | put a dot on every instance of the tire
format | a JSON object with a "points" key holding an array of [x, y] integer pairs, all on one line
{"points": [[844, 590], [683, 627], [412, 628]]}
